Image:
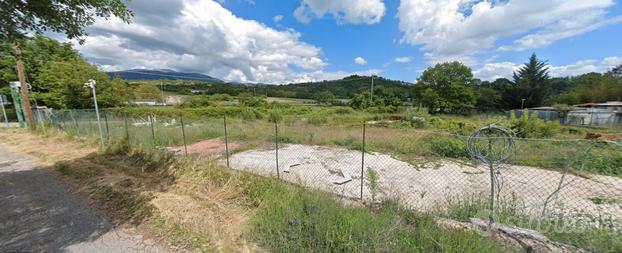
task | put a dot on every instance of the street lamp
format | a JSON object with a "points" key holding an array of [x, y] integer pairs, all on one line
{"points": [[522, 103], [91, 84]]}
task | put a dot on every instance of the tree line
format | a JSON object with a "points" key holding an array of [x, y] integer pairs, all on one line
{"points": [[57, 73]]}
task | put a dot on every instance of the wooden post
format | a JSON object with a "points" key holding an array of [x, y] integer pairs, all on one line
{"points": [[21, 76], [226, 141], [183, 133]]}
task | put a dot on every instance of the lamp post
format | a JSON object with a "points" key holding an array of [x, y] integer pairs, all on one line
{"points": [[91, 84], [522, 103]]}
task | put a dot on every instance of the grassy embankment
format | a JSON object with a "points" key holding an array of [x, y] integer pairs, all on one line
{"points": [[196, 203]]}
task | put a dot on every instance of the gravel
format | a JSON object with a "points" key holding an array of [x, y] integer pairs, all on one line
{"points": [[433, 185]]}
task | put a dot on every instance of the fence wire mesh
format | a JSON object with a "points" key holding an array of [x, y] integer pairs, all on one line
{"points": [[569, 182]]}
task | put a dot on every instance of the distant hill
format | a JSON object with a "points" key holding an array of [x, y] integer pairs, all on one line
{"points": [[162, 74], [342, 88]]}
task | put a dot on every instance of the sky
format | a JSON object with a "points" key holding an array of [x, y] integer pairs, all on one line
{"points": [[285, 41]]}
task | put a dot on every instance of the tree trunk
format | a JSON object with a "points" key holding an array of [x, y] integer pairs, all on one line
{"points": [[21, 75]]}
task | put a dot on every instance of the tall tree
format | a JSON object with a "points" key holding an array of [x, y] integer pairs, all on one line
{"points": [[36, 53], [531, 84], [616, 71], [63, 83], [18, 18], [448, 88]]}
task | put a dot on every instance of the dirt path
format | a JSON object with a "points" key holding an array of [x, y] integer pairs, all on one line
{"points": [[40, 214]]}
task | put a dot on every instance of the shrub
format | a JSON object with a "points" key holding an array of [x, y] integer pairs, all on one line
{"points": [[250, 113], [317, 119], [275, 116], [448, 147], [532, 127], [344, 110]]}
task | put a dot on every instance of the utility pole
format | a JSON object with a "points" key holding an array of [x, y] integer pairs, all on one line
{"points": [[24, 87], [372, 90], [91, 84]]}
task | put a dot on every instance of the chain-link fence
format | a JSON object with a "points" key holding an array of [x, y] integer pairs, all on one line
{"points": [[558, 181]]}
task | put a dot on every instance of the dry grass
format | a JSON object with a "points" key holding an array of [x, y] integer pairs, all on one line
{"points": [[181, 203]]}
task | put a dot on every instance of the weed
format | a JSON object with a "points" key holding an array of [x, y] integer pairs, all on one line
{"points": [[296, 220]]}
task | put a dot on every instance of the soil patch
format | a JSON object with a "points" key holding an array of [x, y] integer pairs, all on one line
{"points": [[211, 147]]}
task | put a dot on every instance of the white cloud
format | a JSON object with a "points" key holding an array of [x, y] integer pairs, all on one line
{"points": [[360, 61], [202, 36], [460, 29], [492, 71], [277, 18], [612, 61], [344, 11], [323, 75], [404, 59]]}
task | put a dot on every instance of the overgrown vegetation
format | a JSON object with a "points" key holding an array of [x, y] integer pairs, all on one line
{"points": [[296, 220], [600, 238]]}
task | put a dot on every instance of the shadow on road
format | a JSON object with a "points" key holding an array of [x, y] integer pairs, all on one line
{"points": [[40, 214]]}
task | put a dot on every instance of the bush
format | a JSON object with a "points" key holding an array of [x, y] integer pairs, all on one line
{"points": [[417, 117], [250, 114], [532, 127], [344, 110], [448, 147]]}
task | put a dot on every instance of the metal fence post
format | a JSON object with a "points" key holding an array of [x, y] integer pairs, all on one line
{"points": [[363, 161], [152, 130], [127, 128], [276, 140], [6, 120], [226, 140], [492, 182], [107, 127], [183, 133], [75, 121]]}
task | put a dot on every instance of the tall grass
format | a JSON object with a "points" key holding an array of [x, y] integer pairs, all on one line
{"points": [[295, 220], [598, 238]]}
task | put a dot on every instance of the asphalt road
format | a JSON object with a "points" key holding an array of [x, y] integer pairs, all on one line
{"points": [[38, 213]]}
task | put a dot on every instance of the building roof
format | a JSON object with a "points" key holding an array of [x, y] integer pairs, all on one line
{"points": [[606, 104]]}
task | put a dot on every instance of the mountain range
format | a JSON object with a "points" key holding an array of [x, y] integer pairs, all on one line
{"points": [[160, 74]]}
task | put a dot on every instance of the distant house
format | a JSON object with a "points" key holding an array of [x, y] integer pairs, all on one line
{"points": [[596, 114], [587, 114]]}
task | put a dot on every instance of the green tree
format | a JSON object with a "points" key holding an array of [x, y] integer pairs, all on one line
{"points": [[448, 88], [36, 53], [325, 97], [18, 18], [61, 85], [147, 91], [616, 71], [531, 83], [591, 87]]}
